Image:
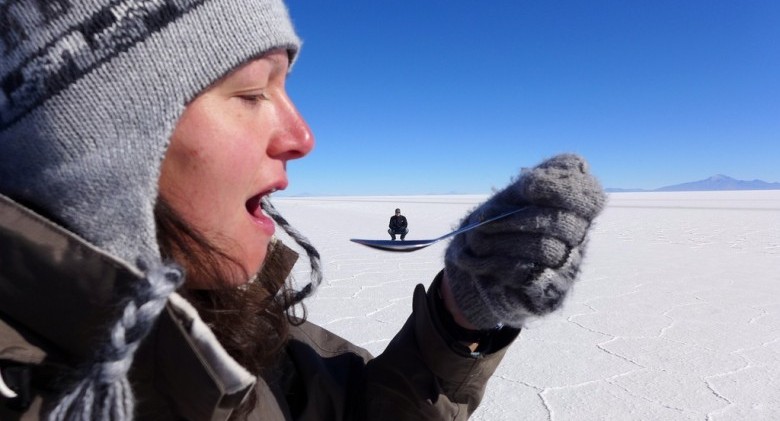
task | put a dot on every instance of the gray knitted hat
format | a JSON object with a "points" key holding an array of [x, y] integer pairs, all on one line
{"points": [[90, 91]]}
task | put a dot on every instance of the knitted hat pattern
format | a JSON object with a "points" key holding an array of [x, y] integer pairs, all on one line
{"points": [[90, 92]]}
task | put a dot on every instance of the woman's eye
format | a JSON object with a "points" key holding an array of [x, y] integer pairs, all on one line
{"points": [[253, 98]]}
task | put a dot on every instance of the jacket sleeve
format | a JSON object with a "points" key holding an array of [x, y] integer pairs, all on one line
{"points": [[423, 376]]}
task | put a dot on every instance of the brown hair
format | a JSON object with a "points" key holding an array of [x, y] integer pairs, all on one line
{"points": [[251, 321]]}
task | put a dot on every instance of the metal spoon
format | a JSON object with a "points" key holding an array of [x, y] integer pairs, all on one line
{"points": [[412, 245]]}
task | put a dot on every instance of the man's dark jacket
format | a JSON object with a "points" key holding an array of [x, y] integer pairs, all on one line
{"points": [[398, 223]]}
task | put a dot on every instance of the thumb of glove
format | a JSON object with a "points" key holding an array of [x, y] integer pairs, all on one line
{"points": [[524, 265]]}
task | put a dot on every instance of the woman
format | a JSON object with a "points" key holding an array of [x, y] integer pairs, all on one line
{"points": [[140, 275]]}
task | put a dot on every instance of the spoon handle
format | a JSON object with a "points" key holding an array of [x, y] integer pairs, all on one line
{"points": [[476, 224]]}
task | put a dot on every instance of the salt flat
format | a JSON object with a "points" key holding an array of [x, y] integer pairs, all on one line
{"points": [[676, 315]]}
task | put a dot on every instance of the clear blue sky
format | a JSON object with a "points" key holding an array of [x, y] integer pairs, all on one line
{"points": [[455, 96]]}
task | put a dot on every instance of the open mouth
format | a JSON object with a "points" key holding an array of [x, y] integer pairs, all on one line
{"points": [[255, 204]]}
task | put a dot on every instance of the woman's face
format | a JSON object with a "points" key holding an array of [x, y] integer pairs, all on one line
{"points": [[230, 149]]}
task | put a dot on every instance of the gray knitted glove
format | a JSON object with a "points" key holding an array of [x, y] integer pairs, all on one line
{"points": [[523, 265]]}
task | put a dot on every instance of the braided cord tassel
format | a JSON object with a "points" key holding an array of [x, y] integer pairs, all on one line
{"points": [[104, 391], [311, 252]]}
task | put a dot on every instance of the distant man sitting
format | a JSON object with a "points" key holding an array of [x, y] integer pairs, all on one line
{"points": [[398, 225]]}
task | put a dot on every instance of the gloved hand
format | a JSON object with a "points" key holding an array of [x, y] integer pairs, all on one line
{"points": [[523, 265]]}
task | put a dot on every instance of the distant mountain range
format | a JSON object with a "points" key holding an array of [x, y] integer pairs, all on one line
{"points": [[715, 183]]}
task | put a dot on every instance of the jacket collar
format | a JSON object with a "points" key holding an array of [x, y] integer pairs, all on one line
{"points": [[56, 284]]}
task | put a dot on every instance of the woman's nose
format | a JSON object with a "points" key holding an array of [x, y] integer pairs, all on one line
{"points": [[294, 139]]}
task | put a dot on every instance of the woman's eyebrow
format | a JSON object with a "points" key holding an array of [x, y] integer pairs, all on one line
{"points": [[266, 67]]}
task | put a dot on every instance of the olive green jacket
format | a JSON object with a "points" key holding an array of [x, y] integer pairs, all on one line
{"points": [[58, 294]]}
